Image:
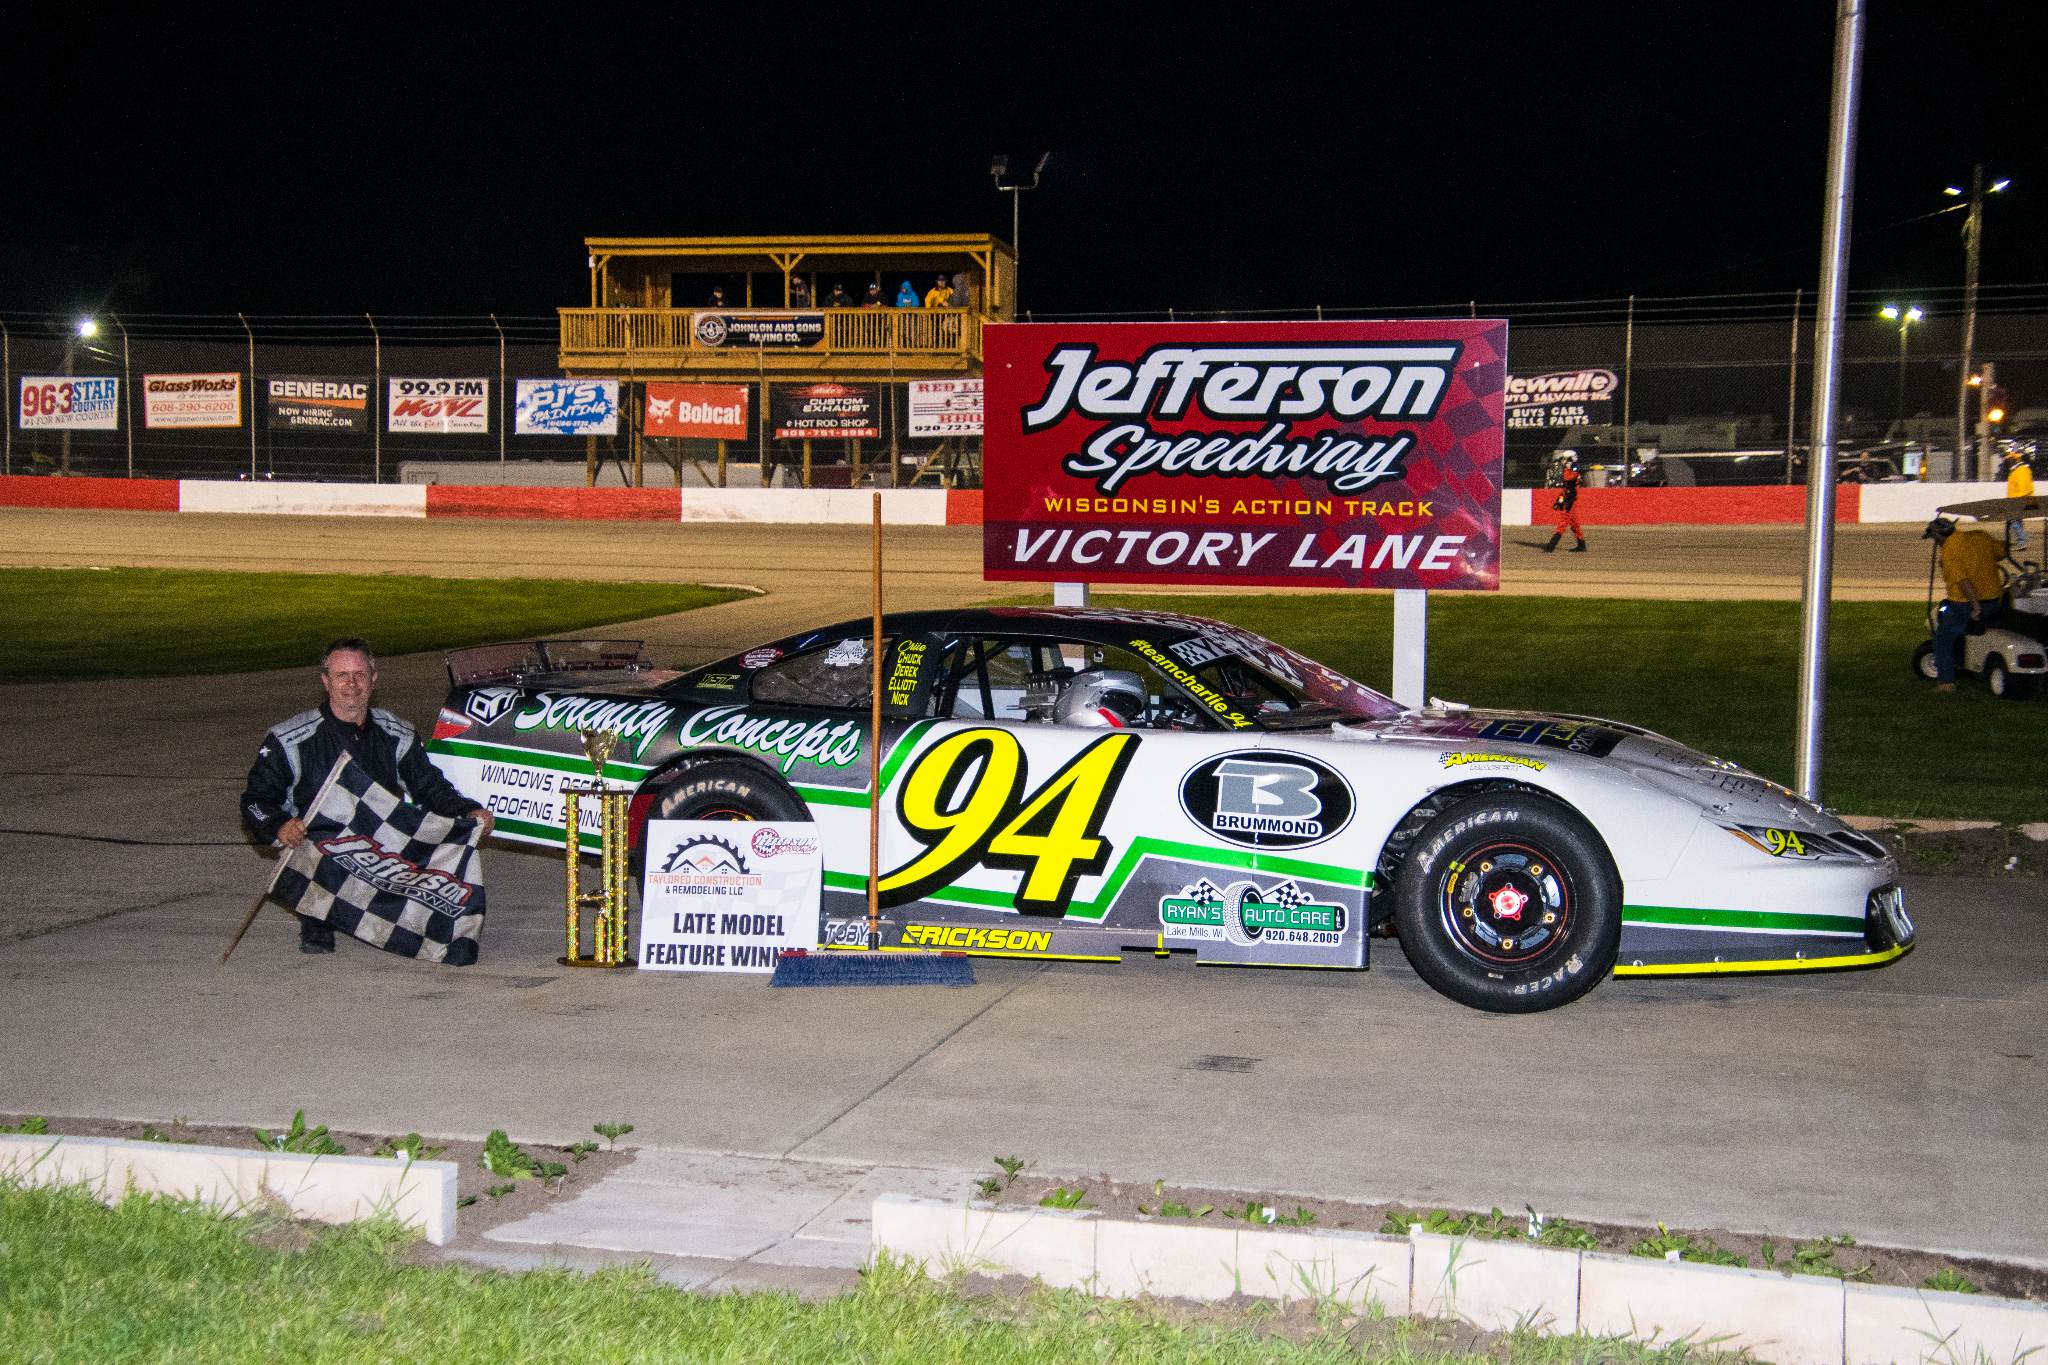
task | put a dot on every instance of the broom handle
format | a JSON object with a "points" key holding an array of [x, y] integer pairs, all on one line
{"points": [[875, 757]]}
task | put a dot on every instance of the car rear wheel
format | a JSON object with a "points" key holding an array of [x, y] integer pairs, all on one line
{"points": [[1509, 902], [714, 789]]}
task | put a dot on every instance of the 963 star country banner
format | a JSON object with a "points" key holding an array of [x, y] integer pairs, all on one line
{"points": [[69, 402], [1291, 454]]}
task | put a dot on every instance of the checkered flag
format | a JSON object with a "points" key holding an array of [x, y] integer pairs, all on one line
{"points": [[1286, 895], [1204, 891], [389, 873]]}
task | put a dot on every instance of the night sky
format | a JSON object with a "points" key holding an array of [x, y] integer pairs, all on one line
{"points": [[1200, 159]]}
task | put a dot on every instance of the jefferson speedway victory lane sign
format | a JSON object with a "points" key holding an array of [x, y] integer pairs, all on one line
{"points": [[1291, 454]]}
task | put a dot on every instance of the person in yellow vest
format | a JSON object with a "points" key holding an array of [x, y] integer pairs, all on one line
{"points": [[940, 295], [1976, 587], [2019, 483]]}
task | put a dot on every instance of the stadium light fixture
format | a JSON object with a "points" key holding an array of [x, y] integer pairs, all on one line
{"points": [[997, 169], [1952, 191], [1905, 317], [1997, 187], [88, 328]]}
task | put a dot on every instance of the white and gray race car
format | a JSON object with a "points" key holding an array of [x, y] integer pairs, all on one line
{"points": [[1076, 783]]}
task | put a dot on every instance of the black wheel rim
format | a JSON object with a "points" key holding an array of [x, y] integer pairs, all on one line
{"points": [[1507, 905]]}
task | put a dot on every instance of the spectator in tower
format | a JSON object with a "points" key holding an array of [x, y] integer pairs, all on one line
{"points": [[799, 292], [940, 295], [906, 295], [839, 298], [963, 291], [873, 298], [717, 299]]}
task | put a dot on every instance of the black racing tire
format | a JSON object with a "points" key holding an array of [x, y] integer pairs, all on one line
{"points": [[1923, 661], [716, 789], [2004, 683], [1509, 902]]}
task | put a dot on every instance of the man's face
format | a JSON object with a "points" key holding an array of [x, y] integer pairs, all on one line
{"points": [[348, 678]]}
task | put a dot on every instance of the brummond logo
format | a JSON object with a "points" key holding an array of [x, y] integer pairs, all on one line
{"points": [[1279, 385]]}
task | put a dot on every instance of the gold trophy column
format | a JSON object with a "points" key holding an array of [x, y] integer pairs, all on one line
{"points": [[608, 927]]}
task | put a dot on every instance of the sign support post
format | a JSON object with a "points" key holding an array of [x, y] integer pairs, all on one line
{"points": [[1411, 646], [1070, 594]]}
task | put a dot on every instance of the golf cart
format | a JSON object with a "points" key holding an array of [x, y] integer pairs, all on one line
{"points": [[2011, 648]]}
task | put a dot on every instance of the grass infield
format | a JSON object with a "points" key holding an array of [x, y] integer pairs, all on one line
{"points": [[139, 623], [1720, 676], [151, 1280]]}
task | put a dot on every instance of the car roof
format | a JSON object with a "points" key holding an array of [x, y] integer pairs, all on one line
{"points": [[1094, 625]]}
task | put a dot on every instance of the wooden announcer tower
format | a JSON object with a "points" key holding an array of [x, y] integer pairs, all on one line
{"points": [[650, 318]]}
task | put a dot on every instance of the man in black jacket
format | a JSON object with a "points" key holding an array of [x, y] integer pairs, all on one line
{"points": [[297, 754]]}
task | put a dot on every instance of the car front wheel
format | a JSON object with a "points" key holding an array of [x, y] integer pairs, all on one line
{"points": [[1509, 902]]}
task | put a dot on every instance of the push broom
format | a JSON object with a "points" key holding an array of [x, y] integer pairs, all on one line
{"points": [[873, 967]]}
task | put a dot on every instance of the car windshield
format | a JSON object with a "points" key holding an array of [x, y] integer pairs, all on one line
{"points": [[1289, 690]]}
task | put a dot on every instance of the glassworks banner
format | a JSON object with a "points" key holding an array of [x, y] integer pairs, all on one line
{"points": [[759, 329], [310, 403], [1288, 454], [825, 410], [443, 406], [945, 407], [1567, 398], [191, 400], [565, 407], [710, 412], [69, 401]]}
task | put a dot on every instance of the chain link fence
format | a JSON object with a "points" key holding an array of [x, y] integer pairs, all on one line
{"points": [[1713, 389]]}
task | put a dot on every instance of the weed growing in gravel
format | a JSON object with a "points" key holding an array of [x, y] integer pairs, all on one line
{"points": [[1060, 1197], [611, 1132], [1951, 1281], [580, 1150], [989, 1186], [1255, 1212], [412, 1147], [1173, 1208], [300, 1138], [152, 1133], [1689, 1248], [505, 1159], [1818, 1258], [497, 1192], [35, 1125]]}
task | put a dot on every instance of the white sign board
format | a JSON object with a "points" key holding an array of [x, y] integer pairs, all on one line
{"points": [[945, 407], [64, 401], [728, 895]]}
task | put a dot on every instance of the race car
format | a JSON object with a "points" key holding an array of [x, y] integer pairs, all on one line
{"points": [[1081, 783]]}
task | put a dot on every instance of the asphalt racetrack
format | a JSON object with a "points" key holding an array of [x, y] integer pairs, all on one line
{"points": [[1902, 1106]]}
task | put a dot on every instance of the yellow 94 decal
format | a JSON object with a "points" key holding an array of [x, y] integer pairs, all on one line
{"points": [[1779, 843], [968, 800]]}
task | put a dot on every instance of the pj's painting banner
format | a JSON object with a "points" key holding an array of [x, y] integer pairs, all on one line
{"points": [[1284, 454]]}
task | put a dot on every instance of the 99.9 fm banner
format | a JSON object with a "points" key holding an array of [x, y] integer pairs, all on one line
{"points": [[1290, 454]]}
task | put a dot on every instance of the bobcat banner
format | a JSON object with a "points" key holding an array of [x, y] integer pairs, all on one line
{"points": [[389, 873]]}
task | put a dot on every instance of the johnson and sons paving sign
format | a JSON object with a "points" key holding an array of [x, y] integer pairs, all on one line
{"points": [[1294, 454]]}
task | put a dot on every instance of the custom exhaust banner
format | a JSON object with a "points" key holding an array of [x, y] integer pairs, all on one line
{"points": [[1284, 454]]}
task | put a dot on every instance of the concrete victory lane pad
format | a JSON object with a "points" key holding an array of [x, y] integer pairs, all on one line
{"points": [[1902, 1106]]}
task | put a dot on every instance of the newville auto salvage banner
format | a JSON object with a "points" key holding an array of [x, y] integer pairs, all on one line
{"points": [[1292, 454]]}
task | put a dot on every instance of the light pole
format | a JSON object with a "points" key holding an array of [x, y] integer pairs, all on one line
{"points": [[86, 330], [997, 169], [1973, 243], [1905, 317]]}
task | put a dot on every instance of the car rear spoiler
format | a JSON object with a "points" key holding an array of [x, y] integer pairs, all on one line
{"points": [[519, 660]]}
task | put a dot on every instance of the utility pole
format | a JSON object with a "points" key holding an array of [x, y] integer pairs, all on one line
{"points": [[1973, 236]]}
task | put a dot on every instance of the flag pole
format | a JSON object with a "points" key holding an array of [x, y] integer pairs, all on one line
{"points": [[875, 749], [247, 920]]}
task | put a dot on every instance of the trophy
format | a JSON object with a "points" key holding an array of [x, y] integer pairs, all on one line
{"points": [[608, 925]]}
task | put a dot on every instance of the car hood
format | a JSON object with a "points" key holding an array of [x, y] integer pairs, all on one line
{"points": [[1727, 790]]}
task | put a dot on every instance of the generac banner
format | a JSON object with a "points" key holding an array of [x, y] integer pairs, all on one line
{"points": [[1290, 454]]}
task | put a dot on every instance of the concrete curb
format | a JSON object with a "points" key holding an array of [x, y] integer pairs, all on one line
{"points": [[1794, 1319], [325, 1189]]}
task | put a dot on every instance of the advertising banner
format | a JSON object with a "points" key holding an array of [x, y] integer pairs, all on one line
{"points": [[310, 403], [446, 407], [170, 401], [1564, 398], [759, 329], [945, 407], [1290, 454], [825, 410], [728, 896], [711, 412], [69, 402], [566, 407]]}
